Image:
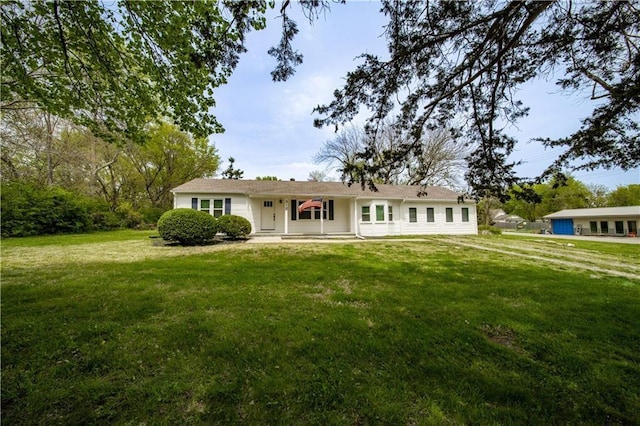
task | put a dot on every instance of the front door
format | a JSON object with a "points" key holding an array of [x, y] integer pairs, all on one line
{"points": [[268, 216]]}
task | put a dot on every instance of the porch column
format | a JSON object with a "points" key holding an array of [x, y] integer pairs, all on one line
{"points": [[355, 216], [286, 216]]}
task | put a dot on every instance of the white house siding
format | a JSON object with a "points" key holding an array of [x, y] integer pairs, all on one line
{"points": [[401, 224], [239, 203], [347, 215]]}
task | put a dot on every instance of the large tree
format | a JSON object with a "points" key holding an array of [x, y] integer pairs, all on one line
{"points": [[114, 66], [41, 152], [532, 202], [459, 64], [435, 160], [169, 158], [28, 148], [625, 196]]}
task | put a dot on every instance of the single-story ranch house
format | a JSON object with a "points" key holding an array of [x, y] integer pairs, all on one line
{"points": [[297, 207], [611, 221]]}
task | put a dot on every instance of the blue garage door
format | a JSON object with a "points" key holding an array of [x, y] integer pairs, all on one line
{"points": [[562, 226]]}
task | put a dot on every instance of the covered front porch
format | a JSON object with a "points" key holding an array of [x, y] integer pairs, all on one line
{"points": [[279, 215]]}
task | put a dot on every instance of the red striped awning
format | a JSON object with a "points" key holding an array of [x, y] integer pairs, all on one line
{"points": [[314, 202]]}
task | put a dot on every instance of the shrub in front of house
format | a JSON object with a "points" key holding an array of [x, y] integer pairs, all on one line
{"points": [[187, 227], [234, 226]]}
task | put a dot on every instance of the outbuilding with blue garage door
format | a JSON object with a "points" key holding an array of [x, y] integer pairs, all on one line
{"points": [[562, 226], [610, 221]]}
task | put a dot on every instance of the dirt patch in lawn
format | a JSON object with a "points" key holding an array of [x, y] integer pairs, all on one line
{"points": [[501, 335]]}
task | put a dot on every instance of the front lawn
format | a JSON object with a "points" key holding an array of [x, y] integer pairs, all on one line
{"points": [[384, 332]]}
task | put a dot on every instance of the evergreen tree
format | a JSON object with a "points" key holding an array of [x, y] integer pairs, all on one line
{"points": [[230, 172]]}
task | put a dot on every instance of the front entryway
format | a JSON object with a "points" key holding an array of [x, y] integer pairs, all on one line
{"points": [[268, 221]]}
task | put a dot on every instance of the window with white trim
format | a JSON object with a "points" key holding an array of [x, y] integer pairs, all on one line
{"points": [[413, 214], [431, 217], [449, 212], [365, 214], [218, 206], [390, 213], [305, 214], [379, 213], [465, 214]]}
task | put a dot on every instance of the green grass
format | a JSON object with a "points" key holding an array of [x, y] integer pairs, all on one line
{"points": [[385, 332], [76, 239]]}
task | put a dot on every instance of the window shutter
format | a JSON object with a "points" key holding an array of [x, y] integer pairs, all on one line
{"points": [[294, 209], [227, 206], [330, 209]]}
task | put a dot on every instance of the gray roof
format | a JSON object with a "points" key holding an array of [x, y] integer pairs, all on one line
{"points": [[312, 189], [596, 212]]}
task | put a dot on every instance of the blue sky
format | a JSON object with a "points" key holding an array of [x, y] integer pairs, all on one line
{"points": [[269, 126]]}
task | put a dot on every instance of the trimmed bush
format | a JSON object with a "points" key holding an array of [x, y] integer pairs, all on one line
{"points": [[187, 227], [234, 226]]}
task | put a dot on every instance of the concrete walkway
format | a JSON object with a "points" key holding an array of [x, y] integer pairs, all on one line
{"points": [[278, 239]]}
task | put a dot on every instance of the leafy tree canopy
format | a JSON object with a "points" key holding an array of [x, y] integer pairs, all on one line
{"points": [[532, 202], [113, 67], [458, 65], [625, 196]]}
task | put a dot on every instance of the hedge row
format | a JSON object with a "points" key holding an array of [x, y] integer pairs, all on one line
{"points": [[31, 210]]}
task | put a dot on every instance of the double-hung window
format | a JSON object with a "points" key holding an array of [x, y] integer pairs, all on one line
{"points": [[465, 214], [305, 214], [217, 208], [366, 214], [214, 207], [379, 213], [390, 213], [449, 213], [413, 214], [431, 217]]}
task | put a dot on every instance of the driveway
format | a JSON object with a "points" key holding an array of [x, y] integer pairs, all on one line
{"points": [[623, 240]]}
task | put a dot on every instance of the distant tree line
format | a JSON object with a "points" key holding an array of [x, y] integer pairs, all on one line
{"points": [[533, 202], [59, 177]]}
